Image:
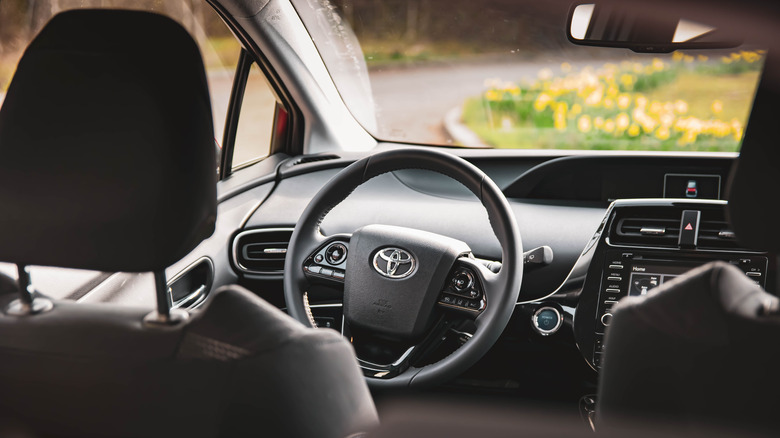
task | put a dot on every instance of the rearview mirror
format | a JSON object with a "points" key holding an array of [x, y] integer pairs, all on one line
{"points": [[610, 24]]}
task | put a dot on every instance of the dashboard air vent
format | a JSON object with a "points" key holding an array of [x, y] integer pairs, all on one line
{"points": [[646, 227], [715, 233], [659, 227], [261, 251]]}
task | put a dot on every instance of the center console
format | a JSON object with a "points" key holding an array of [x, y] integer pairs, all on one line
{"points": [[643, 244]]}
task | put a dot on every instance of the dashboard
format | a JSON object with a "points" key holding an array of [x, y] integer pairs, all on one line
{"points": [[594, 213]]}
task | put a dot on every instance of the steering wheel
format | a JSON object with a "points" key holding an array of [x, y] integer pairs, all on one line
{"points": [[400, 284]]}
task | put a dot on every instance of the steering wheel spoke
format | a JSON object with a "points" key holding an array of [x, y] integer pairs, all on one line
{"points": [[328, 262], [407, 356]]}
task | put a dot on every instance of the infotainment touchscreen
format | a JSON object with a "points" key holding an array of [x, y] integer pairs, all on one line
{"points": [[645, 277]]}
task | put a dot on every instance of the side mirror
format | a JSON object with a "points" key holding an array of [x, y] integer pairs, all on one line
{"points": [[640, 28]]}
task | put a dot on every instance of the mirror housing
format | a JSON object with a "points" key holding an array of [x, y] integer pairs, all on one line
{"points": [[639, 28]]}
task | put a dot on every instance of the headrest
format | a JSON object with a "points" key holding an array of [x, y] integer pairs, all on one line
{"points": [[754, 185], [107, 145]]}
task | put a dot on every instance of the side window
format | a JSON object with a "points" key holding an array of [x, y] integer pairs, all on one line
{"points": [[220, 51], [255, 120]]}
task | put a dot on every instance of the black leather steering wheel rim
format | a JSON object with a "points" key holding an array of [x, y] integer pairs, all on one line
{"points": [[506, 283]]}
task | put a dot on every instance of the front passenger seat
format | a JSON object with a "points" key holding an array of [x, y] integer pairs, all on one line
{"points": [[107, 163]]}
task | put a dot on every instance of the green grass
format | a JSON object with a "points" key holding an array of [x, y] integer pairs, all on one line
{"points": [[734, 91]]}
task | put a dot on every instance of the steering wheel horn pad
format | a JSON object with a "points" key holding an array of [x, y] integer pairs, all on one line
{"points": [[399, 307]]}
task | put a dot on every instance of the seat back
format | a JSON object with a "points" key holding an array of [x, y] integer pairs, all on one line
{"points": [[238, 367], [700, 349]]}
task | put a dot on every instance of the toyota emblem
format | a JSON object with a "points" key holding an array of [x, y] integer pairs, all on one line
{"points": [[394, 263]]}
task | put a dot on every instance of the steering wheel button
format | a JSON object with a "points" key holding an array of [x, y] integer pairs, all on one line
{"points": [[314, 269], [326, 272], [336, 253], [318, 258], [338, 275]]}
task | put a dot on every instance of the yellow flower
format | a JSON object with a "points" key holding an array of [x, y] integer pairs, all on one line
{"points": [[662, 133], [688, 58], [559, 121], [583, 124], [622, 121], [594, 98], [623, 101], [627, 80], [598, 122], [541, 102], [648, 124], [492, 95], [641, 101], [633, 130], [677, 56], [680, 106], [608, 103], [750, 57], [690, 136], [609, 126], [702, 58], [655, 107], [667, 119], [717, 106], [658, 65], [576, 109], [726, 59]]}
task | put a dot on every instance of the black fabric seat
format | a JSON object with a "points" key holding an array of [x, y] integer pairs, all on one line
{"points": [[703, 348], [699, 349], [107, 146]]}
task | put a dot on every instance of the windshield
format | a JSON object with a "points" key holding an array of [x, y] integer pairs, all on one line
{"points": [[500, 74]]}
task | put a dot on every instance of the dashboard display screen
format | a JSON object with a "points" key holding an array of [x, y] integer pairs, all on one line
{"points": [[645, 277]]}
